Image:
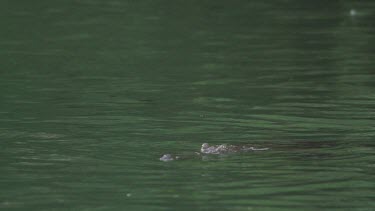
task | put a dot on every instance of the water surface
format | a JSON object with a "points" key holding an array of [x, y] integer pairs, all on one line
{"points": [[94, 92]]}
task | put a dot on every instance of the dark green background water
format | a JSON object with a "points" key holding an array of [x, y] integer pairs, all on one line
{"points": [[94, 92]]}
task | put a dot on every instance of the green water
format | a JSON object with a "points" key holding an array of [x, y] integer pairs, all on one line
{"points": [[94, 92]]}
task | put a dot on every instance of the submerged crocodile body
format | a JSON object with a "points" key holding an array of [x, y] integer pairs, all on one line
{"points": [[206, 149]]}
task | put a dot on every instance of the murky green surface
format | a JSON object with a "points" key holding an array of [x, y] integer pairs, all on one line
{"points": [[94, 92]]}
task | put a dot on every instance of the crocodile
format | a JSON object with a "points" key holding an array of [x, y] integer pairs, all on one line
{"points": [[206, 149]]}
